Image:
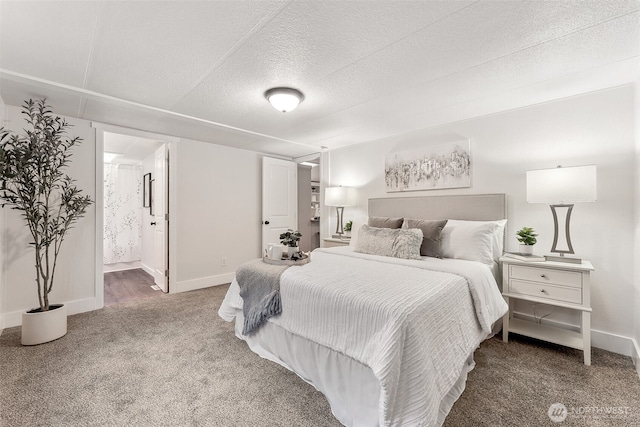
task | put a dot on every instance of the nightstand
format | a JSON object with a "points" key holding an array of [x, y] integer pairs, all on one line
{"points": [[553, 283], [331, 242]]}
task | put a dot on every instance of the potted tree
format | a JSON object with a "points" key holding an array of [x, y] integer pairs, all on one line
{"points": [[527, 238], [32, 181]]}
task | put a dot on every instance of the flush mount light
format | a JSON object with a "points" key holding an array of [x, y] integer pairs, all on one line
{"points": [[284, 99], [110, 157]]}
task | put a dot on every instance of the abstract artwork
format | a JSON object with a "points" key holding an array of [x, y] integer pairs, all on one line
{"points": [[437, 166]]}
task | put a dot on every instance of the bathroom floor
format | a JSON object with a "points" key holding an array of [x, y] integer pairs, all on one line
{"points": [[128, 285]]}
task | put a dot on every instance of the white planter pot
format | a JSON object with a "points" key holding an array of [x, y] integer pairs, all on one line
{"points": [[291, 250], [526, 249], [41, 327]]}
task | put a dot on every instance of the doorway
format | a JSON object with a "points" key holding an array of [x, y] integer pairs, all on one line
{"points": [[134, 201], [309, 206]]}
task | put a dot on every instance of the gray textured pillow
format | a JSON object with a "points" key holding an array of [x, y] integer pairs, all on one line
{"points": [[398, 243], [383, 222], [431, 230]]}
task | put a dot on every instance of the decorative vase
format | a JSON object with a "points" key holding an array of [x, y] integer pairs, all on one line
{"points": [[291, 250], [39, 327], [526, 249]]}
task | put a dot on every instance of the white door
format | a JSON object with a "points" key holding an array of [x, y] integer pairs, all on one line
{"points": [[279, 198], [160, 204]]}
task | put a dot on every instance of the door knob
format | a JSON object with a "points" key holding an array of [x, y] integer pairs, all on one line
{"points": [[153, 223]]}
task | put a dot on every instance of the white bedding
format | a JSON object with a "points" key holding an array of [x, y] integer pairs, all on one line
{"points": [[413, 322]]}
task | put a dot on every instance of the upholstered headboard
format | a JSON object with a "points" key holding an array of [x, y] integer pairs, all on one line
{"points": [[472, 207]]}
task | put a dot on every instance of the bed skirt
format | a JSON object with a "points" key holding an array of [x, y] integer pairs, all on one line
{"points": [[350, 387]]}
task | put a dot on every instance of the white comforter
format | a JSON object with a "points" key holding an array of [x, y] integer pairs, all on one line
{"points": [[411, 321]]}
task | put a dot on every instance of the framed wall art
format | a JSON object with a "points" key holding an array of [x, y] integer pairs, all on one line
{"points": [[146, 190], [436, 166]]}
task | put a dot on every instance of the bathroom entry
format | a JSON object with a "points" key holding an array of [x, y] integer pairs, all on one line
{"points": [[135, 174]]}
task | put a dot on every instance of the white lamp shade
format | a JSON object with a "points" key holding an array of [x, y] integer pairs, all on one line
{"points": [[562, 185], [284, 99], [340, 196]]}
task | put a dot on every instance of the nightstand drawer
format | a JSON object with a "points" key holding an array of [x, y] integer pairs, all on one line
{"points": [[547, 275], [558, 293]]}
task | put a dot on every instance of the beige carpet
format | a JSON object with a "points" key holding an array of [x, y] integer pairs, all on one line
{"points": [[170, 361]]}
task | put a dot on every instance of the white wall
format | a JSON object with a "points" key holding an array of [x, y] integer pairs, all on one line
{"points": [[593, 128], [217, 192], [218, 212], [75, 274]]}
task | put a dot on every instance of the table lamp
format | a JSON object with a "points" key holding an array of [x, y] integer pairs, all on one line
{"points": [[340, 197], [561, 187]]}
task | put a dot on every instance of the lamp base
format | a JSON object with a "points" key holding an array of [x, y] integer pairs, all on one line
{"points": [[558, 258]]}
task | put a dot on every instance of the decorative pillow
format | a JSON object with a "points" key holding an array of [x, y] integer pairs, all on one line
{"points": [[470, 240], [431, 230], [383, 222], [398, 243]]}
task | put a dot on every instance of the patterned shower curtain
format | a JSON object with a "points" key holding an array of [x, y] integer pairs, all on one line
{"points": [[122, 213]]}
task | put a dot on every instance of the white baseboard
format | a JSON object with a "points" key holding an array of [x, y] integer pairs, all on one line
{"points": [[599, 339], [121, 266], [201, 283], [147, 269], [636, 356], [14, 318]]}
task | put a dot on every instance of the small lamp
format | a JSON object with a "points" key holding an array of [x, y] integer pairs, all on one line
{"points": [[339, 197], [561, 187]]}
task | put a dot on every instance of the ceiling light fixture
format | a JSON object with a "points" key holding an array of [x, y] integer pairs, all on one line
{"points": [[110, 157], [284, 99]]}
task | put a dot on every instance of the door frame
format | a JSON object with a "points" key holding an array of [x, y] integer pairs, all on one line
{"points": [[172, 145]]}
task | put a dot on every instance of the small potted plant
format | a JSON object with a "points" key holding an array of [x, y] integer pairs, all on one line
{"points": [[347, 228], [527, 238], [290, 239]]}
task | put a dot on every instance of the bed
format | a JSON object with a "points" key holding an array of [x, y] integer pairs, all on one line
{"points": [[389, 340]]}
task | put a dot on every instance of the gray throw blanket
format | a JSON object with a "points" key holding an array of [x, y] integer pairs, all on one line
{"points": [[260, 291]]}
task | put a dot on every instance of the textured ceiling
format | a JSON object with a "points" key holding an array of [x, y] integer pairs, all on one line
{"points": [[368, 70]]}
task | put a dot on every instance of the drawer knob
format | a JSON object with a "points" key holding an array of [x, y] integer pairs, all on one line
{"points": [[544, 276], [543, 291]]}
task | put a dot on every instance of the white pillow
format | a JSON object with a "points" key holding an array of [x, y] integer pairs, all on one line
{"points": [[470, 240], [354, 233], [498, 238]]}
